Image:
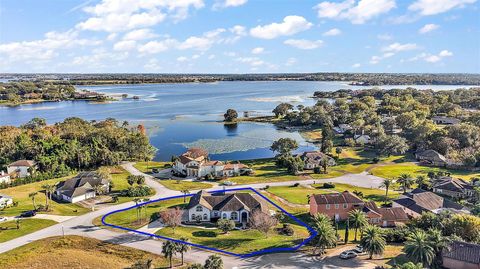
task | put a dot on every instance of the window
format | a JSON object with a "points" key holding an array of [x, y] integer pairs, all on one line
{"points": [[234, 216], [193, 216], [327, 206], [344, 205], [224, 216], [199, 208], [337, 206], [205, 217], [215, 213]]}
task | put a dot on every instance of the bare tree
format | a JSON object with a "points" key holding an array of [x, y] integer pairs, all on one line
{"points": [[262, 221], [171, 217]]}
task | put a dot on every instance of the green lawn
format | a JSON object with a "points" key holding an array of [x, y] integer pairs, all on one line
{"points": [[26, 226], [184, 185], [237, 241], [414, 170], [146, 167]]}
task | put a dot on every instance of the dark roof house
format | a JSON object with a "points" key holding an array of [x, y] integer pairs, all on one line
{"points": [[431, 157], [228, 202], [419, 201], [461, 255], [453, 187], [81, 187], [313, 159]]}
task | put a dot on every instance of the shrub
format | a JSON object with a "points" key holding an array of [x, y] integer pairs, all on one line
{"points": [[286, 230], [138, 191], [317, 170], [266, 187], [376, 160], [296, 184], [225, 225], [396, 235], [327, 185]]}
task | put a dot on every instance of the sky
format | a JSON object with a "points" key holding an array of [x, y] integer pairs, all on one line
{"points": [[239, 36]]}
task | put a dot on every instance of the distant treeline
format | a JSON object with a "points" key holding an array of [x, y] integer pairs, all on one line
{"points": [[373, 79]]}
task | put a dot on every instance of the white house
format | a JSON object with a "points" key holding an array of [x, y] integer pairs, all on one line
{"points": [[314, 159], [195, 163], [204, 207], [5, 200], [21, 168], [362, 139], [4, 177], [81, 187]]}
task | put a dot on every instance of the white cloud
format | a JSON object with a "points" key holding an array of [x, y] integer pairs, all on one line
{"points": [[124, 15], [432, 7], [445, 53], [182, 59], [432, 58], [157, 46], [152, 65], [332, 32], [219, 4], [239, 30], [112, 36], [428, 28], [385, 37], [357, 65], [388, 54], [125, 45], [375, 59], [290, 26], [304, 43], [139, 34], [357, 12], [258, 50], [291, 61], [397, 47], [253, 61]]}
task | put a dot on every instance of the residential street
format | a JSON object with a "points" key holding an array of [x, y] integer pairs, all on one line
{"points": [[82, 225]]}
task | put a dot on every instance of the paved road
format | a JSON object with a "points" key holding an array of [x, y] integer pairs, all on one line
{"points": [[82, 225]]}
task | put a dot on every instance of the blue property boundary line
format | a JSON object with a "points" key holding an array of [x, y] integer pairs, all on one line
{"points": [[313, 233]]}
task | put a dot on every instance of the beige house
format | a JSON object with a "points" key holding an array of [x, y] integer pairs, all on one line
{"points": [[21, 168]]}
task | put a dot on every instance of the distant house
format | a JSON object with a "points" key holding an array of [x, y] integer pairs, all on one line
{"points": [[431, 157], [5, 200], [204, 207], [314, 159], [342, 128], [385, 216], [453, 187], [362, 139], [419, 201], [4, 177], [461, 255], [445, 120], [195, 163], [335, 205], [21, 168], [81, 187]]}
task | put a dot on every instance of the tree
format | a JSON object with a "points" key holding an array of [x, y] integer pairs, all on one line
{"points": [[410, 265], [195, 266], [169, 248], [137, 201], [17, 222], [327, 139], [262, 222], [338, 151], [225, 225], [140, 180], [347, 231], [284, 146], [358, 220], [230, 116], [293, 164], [405, 181], [49, 189], [422, 182], [373, 240], [32, 196], [131, 179], [392, 144], [171, 217], [104, 173], [438, 243], [386, 183], [185, 192], [183, 248], [325, 163], [419, 249], [282, 109], [325, 233], [213, 262]]}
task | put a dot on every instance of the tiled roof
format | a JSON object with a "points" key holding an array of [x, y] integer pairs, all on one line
{"points": [[195, 153], [337, 198], [461, 251], [27, 163]]}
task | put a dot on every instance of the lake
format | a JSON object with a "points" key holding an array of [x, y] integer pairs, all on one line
{"points": [[178, 116]]}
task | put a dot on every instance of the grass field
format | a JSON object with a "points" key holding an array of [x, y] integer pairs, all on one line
{"points": [[184, 185], [265, 171], [238, 241], [146, 167], [26, 226], [414, 170], [76, 252]]}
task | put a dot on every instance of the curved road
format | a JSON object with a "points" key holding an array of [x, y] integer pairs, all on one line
{"points": [[82, 225]]}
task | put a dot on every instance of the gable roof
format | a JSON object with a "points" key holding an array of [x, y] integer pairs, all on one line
{"points": [[81, 184], [462, 251], [452, 184], [195, 153], [421, 201], [229, 202], [432, 155], [396, 214], [27, 163], [314, 156], [337, 198]]}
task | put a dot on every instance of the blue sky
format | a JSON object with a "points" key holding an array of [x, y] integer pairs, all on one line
{"points": [[239, 36]]}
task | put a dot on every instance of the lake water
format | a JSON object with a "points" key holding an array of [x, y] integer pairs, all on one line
{"points": [[178, 116]]}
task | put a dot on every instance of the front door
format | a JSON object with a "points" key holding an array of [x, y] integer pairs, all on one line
{"points": [[244, 216]]}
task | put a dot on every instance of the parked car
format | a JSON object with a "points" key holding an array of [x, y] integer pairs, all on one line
{"points": [[359, 249], [28, 214], [2, 219], [349, 254], [227, 183]]}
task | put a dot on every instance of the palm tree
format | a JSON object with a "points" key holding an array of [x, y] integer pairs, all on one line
{"points": [[421, 182], [373, 240], [17, 222], [183, 248], [169, 249], [419, 249], [213, 262], [48, 194], [358, 220], [32, 196], [386, 183], [325, 232], [410, 265], [438, 243], [185, 192], [145, 207], [137, 200], [405, 181]]}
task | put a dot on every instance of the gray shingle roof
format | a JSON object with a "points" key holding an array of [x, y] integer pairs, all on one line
{"points": [[461, 251], [80, 184], [228, 202]]}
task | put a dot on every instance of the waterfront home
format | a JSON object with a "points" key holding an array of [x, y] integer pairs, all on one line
{"points": [[83, 186], [313, 159], [445, 120], [418, 201], [21, 168], [431, 157], [453, 187], [205, 207], [461, 255], [195, 163], [5, 201], [4, 177], [342, 128]]}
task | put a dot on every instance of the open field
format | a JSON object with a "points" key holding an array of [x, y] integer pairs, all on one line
{"points": [[76, 252], [265, 171], [414, 170], [146, 167], [26, 226], [184, 185], [237, 241]]}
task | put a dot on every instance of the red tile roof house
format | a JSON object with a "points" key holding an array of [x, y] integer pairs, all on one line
{"points": [[338, 206]]}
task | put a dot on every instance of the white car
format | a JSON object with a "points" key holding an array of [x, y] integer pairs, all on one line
{"points": [[2, 219], [349, 254]]}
